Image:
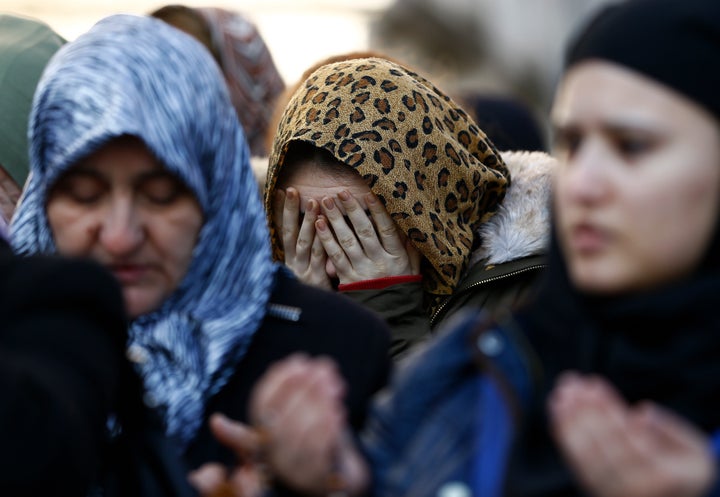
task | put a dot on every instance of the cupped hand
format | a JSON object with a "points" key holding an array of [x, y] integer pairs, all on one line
{"points": [[298, 405], [369, 247], [617, 450]]}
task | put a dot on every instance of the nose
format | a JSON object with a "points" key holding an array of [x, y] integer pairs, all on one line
{"points": [[121, 230], [586, 175]]}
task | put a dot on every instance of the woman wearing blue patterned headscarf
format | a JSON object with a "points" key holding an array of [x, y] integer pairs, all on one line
{"points": [[138, 161]]}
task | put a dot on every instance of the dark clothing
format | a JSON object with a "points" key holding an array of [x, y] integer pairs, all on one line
{"points": [[500, 287], [494, 288], [330, 325], [62, 344], [660, 345]]}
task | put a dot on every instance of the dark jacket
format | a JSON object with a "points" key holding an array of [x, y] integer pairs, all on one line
{"points": [[62, 344], [329, 324], [502, 271], [452, 412]]}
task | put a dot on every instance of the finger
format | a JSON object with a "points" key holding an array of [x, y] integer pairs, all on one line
{"points": [[362, 226], [585, 421], [238, 437], [318, 380], [278, 204], [317, 256], [385, 226], [414, 256], [208, 479], [291, 215], [333, 250], [346, 239], [249, 481], [266, 388], [306, 235], [670, 429]]}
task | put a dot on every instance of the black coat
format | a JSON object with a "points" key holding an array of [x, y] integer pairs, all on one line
{"points": [[62, 342], [330, 324]]}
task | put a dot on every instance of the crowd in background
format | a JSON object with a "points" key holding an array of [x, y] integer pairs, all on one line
{"points": [[215, 282]]}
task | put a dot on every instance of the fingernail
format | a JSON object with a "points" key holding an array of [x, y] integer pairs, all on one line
{"points": [[344, 196], [320, 225], [370, 198], [291, 193], [311, 205], [328, 203]]}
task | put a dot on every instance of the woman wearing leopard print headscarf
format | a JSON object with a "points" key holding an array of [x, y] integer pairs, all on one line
{"points": [[380, 186]]}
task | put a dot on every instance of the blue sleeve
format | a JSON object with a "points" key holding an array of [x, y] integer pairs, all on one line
{"points": [[715, 441]]}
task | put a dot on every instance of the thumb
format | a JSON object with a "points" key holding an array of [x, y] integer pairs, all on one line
{"points": [[240, 438]]}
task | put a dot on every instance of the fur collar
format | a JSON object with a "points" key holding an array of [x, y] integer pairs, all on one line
{"points": [[521, 226]]}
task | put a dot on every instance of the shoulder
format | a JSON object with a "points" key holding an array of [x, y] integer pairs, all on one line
{"points": [[60, 296], [326, 308], [39, 277]]}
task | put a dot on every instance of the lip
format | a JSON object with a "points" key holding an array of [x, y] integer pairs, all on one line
{"points": [[588, 239], [128, 274]]}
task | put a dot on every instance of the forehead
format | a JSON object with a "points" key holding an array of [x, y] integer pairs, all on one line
{"points": [[312, 175], [314, 181], [602, 92], [124, 156]]}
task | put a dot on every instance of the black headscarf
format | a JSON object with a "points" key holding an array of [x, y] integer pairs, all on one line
{"points": [[662, 345]]}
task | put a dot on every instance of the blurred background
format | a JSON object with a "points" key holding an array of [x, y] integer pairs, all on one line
{"points": [[505, 47]]}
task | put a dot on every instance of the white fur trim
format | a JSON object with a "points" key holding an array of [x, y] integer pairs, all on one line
{"points": [[521, 227]]}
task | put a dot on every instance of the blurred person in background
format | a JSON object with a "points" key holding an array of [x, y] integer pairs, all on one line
{"points": [[26, 45], [246, 62]]}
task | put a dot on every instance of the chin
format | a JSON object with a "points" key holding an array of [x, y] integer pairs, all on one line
{"points": [[137, 304], [593, 278]]}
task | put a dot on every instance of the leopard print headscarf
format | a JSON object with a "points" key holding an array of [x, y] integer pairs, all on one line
{"points": [[435, 171]]}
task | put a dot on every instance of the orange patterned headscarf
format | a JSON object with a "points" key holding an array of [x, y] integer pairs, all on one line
{"points": [[435, 171]]}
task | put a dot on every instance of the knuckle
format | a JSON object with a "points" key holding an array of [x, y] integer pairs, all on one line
{"points": [[366, 232], [347, 241], [335, 255], [303, 243]]}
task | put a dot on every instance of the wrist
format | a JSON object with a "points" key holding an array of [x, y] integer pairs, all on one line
{"points": [[380, 283]]}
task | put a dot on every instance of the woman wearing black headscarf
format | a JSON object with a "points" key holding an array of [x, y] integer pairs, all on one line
{"points": [[626, 316]]}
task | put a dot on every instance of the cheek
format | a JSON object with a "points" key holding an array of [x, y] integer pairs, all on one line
{"points": [[691, 216], [73, 228], [179, 232]]}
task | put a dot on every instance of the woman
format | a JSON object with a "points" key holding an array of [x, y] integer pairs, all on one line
{"points": [[26, 45], [246, 62], [608, 382], [367, 134], [138, 161]]}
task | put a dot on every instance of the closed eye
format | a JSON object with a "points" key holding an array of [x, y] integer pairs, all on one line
{"points": [[82, 187]]}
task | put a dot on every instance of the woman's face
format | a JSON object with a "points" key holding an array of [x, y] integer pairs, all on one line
{"points": [[121, 207], [638, 191]]}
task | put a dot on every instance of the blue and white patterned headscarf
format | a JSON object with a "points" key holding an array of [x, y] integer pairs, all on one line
{"points": [[133, 75]]}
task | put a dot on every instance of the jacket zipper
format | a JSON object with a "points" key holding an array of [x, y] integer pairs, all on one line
{"points": [[482, 282]]}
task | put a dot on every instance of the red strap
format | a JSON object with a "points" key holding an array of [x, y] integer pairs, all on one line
{"points": [[379, 283]]}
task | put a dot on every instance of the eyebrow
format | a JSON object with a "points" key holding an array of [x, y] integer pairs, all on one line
{"points": [[616, 125]]}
